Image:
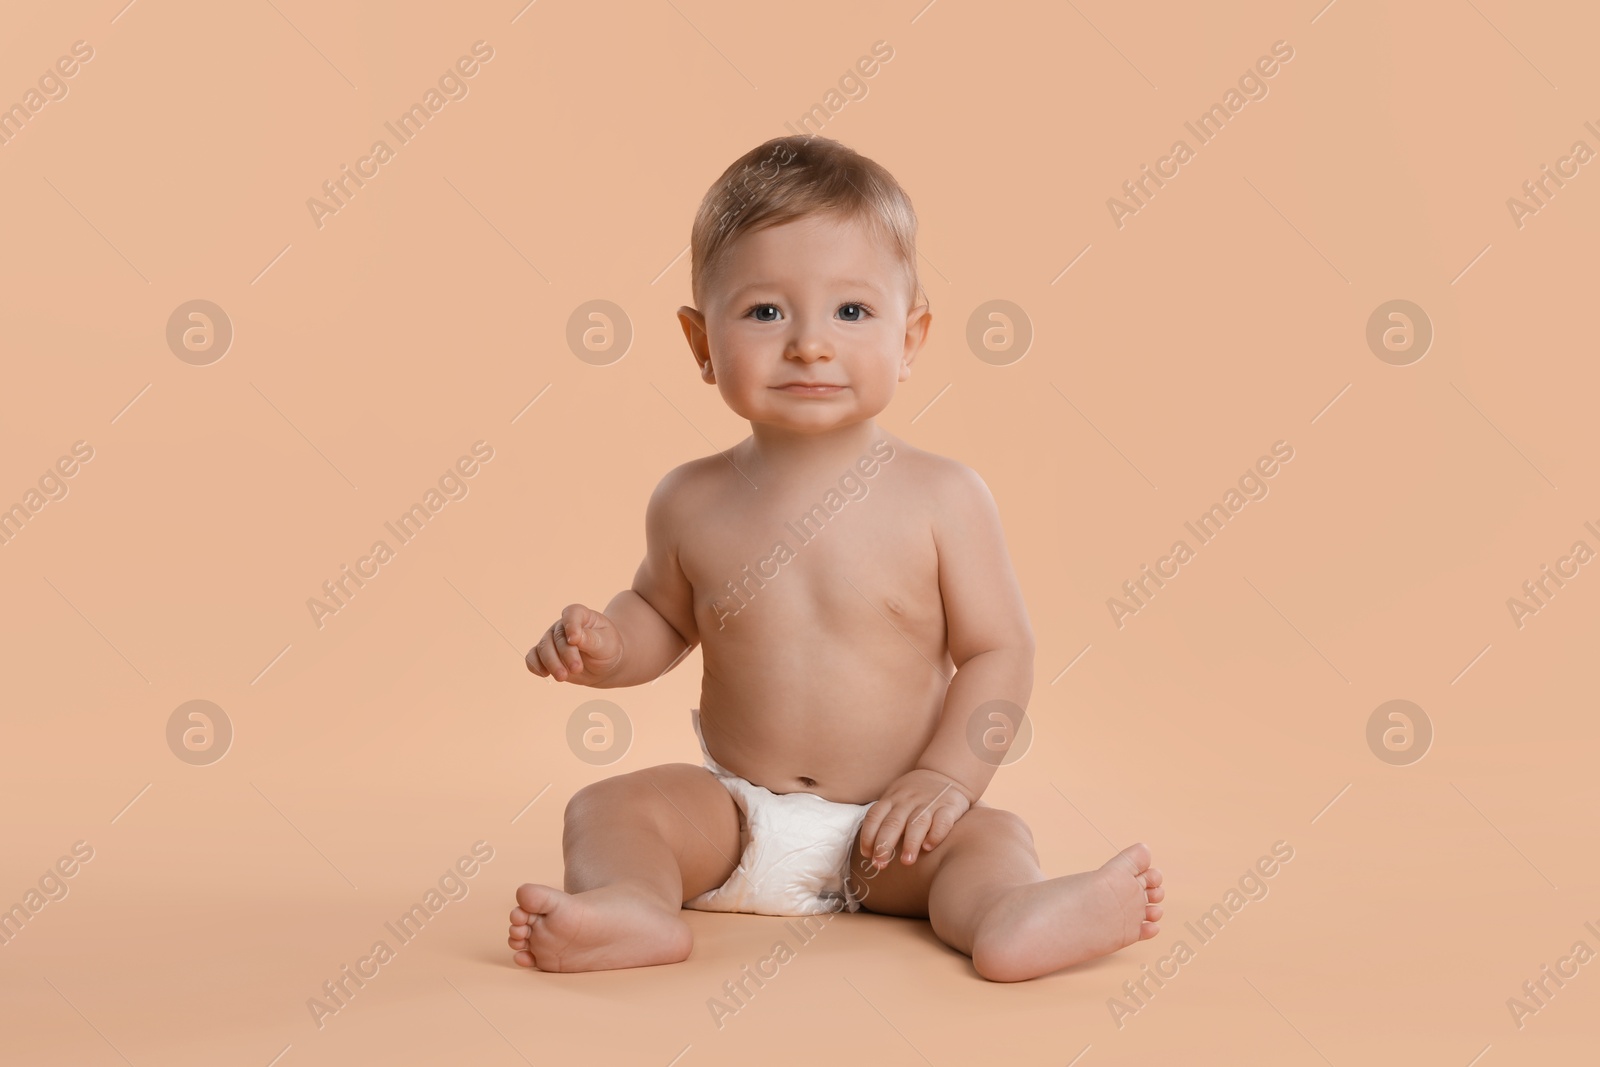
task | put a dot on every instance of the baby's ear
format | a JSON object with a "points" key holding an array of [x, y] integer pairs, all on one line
{"points": [[917, 322], [694, 330], [692, 321]]}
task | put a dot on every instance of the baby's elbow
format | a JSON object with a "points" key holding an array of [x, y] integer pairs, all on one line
{"points": [[1020, 641], [1025, 649], [1016, 648]]}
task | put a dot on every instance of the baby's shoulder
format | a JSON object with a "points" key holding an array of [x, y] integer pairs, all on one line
{"points": [[948, 482], [688, 483]]}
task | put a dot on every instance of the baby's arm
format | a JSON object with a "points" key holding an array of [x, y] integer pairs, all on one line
{"points": [[991, 644], [644, 630]]}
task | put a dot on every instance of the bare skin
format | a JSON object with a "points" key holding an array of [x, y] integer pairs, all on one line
{"points": [[847, 664]]}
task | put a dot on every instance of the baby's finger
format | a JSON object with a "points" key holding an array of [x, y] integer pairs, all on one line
{"points": [[869, 825], [552, 662], [586, 630], [943, 820], [888, 835], [536, 661], [916, 831], [564, 650], [573, 617]]}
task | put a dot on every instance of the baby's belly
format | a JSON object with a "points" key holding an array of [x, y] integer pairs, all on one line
{"points": [[836, 724]]}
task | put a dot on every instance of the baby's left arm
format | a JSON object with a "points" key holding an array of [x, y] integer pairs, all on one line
{"points": [[991, 644]]}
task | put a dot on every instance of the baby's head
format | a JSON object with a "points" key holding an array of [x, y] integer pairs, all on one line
{"points": [[804, 271]]}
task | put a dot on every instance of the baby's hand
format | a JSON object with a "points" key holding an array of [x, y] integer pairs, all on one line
{"points": [[923, 803], [582, 647]]}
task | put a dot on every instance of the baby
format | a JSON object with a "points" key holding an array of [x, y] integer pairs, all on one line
{"points": [[861, 624]]}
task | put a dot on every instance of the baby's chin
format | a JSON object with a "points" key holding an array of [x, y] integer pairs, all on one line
{"points": [[844, 409], [814, 423]]}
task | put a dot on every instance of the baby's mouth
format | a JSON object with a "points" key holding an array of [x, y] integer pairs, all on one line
{"points": [[809, 388]]}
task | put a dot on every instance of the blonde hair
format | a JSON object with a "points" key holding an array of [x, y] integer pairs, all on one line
{"points": [[792, 177]]}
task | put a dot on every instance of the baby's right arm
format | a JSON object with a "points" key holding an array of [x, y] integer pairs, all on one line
{"points": [[644, 631]]}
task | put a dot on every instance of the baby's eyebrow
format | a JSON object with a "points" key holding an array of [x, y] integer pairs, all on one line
{"points": [[842, 283]]}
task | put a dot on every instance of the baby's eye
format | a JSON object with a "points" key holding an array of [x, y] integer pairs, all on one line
{"points": [[851, 312]]}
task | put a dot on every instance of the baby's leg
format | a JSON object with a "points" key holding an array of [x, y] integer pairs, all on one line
{"points": [[987, 897], [636, 847]]}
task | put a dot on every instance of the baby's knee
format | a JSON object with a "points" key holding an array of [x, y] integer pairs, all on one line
{"points": [[606, 795], [997, 824], [636, 792]]}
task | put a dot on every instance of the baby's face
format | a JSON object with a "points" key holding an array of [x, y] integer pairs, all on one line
{"points": [[815, 301]]}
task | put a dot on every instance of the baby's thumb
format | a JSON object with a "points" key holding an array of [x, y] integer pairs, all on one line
{"points": [[572, 621]]}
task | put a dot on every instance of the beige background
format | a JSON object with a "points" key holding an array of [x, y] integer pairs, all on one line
{"points": [[369, 354]]}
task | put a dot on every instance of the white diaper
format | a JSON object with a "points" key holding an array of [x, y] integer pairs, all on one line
{"points": [[795, 850]]}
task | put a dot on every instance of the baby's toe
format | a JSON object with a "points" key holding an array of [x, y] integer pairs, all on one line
{"points": [[1137, 856], [1150, 877], [1152, 912], [519, 917], [1155, 895]]}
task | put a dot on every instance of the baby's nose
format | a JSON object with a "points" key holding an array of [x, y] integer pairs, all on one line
{"points": [[810, 347]]}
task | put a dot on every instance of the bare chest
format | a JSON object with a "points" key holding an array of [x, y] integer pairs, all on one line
{"points": [[832, 569]]}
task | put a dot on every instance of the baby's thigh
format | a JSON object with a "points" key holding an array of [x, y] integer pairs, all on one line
{"points": [[680, 804], [985, 834]]}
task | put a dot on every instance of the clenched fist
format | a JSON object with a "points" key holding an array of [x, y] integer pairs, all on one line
{"points": [[582, 647]]}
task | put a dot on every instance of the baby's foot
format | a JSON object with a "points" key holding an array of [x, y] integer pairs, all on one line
{"points": [[612, 926], [1043, 926]]}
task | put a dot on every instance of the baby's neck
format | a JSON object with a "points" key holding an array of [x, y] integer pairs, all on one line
{"points": [[786, 455]]}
